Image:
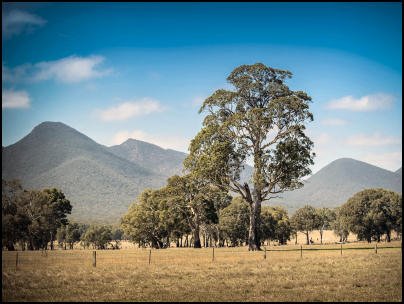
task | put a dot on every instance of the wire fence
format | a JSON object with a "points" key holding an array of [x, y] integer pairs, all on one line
{"points": [[32, 260]]}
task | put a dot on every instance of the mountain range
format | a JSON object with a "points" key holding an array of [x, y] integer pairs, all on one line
{"points": [[334, 184], [101, 182]]}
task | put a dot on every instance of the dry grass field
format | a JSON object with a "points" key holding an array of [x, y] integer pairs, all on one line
{"points": [[187, 274]]}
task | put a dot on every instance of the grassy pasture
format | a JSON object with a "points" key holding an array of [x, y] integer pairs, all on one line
{"points": [[187, 274]]}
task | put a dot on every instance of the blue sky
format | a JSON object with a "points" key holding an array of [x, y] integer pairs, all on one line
{"points": [[141, 70]]}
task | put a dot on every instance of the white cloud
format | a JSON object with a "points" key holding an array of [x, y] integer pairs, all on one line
{"points": [[167, 142], [390, 161], [16, 22], [14, 99], [70, 69], [376, 139], [333, 122], [365, 103], [130, 109]]}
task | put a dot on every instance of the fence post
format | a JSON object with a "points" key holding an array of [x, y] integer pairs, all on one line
{"points": [[16, 261], [376, 248], [301, 251], [341, 249], [265, 253], [149, 256], [94, 258], [213, 254]]}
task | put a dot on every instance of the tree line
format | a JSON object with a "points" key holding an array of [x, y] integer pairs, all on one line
{"points": [[156, 219], [35, 219]]}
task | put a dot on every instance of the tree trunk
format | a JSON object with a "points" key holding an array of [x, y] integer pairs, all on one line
{"points": [[321, 236], [196, 229], [388, 236], [10, 246], [253, 233], [307, 238], [197, 241], [218, 237], [296, 238], [51, 240]]}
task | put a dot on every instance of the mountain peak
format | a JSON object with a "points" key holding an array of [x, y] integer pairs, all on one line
{"points": [[347, 162], [137, 142], [49, 125]]}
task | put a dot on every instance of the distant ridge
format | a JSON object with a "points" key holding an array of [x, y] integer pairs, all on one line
{"points": [[338, 181], [400, 171], [165, 162]]}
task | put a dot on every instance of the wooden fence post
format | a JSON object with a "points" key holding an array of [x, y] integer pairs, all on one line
{"points": [[265, 253], [376, 248], [94, 258], [301, 251], [213, 254], [16, 261], [149, 256]]}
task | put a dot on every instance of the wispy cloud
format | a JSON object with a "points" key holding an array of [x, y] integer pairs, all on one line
{"points": [[130, 109], [70, 69], [365, 103], [16, 22], [390, 161], [167, 142], [14, 99], [375, 139], [333, 122]]}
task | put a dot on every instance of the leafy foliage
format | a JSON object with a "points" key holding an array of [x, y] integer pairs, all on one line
{"points": [[234, 221], [373, 212], [306, 219], [325, 217], [262, 119], [97, 236], [33, 216]]}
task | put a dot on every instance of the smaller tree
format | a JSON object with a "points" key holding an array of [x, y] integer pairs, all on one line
{"points": [[340, 226], [74, 232], [234, 221], [15, 221], [98, 236], [325, 217], [268, 224], [145, 220], [283, 229], [61, 236], [59, 207], [306, 220], [371, 213], [117, 235]]}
